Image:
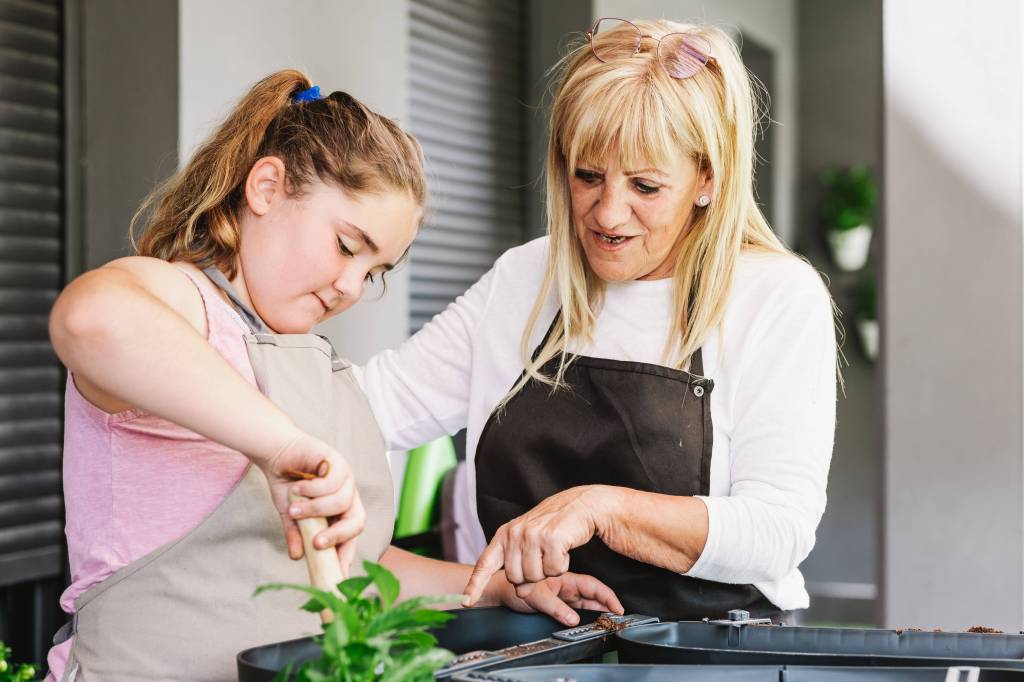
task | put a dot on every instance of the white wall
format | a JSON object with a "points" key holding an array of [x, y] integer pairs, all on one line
{"points": [[359, 47], [772, 23], [952, 314]]}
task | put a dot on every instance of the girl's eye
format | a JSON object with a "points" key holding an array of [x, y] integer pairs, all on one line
{"points": [[344, 249], [645, 188], [586, 176]]}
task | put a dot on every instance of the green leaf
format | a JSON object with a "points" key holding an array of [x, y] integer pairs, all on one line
{"points": [[422, 663], [387, 583], [399, 621], [418, 640], [327, 600], [353, 587], [420, 602]]}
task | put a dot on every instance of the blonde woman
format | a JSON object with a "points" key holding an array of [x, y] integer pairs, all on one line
{"points": [[649, 391]]}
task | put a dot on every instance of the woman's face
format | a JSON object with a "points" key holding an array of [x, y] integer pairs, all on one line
{"points": [[631, 221], [305, 259]]}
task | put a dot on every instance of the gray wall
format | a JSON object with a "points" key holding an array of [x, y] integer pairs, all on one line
{"points": [[952, 314], [129, 117], [841, 125], [551, 27], [347, 45]]}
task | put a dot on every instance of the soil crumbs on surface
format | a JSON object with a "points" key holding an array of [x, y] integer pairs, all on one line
{"points": [[606, 623]]}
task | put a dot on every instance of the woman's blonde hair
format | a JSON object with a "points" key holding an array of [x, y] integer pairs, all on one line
{"points": [[633, 108], [337, 139]]}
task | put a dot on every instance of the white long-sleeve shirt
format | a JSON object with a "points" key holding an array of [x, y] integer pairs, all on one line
{"points": [[772, 358]]}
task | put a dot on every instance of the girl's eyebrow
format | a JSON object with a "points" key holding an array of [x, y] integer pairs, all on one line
{"points": [[373, 246], [362, 235]]}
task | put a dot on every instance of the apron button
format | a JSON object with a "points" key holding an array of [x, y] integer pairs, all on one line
{"points": [[698, 391]]}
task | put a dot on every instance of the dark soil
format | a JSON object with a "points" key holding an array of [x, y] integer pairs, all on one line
{"points": [[606, 623]]}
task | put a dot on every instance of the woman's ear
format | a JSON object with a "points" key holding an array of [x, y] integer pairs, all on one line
{"points": [[705, 186], [265, 184]]}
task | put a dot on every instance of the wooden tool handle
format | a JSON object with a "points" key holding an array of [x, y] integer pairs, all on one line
{"points": [[324, 566]]}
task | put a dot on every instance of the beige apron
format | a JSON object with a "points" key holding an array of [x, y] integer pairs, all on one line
{"points": [[184, 611]]}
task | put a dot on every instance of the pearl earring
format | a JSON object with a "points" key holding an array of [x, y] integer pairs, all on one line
{"points": [[703, 200]]}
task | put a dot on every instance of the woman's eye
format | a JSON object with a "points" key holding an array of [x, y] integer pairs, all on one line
{"points": [[586, 176], [344, 249], [645, 188]]}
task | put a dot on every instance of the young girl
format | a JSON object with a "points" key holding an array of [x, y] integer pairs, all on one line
{"points": [[196, 392]]}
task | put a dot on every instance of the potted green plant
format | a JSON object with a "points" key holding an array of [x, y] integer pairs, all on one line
{"points": [[371, 638], [10, 672], [867, 317], [848, 212]]}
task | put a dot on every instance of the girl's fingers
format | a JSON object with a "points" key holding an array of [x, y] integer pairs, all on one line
{"points": [[333, 504], [546, 601], [292, 537], [344, 529], [347, 555], [590, 588], [338, 474]]}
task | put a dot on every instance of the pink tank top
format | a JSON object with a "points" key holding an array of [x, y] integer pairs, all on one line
{"points": [[134, 482]]}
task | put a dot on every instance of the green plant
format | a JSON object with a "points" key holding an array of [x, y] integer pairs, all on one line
{"points": [[9, 672], [850, 197], [867, 299], [371, 638]]}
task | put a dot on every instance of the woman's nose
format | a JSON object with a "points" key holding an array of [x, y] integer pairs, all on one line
{"points": [[612, 208]]}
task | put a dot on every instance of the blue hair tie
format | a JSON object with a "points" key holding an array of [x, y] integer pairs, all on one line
{"points": [[310, 95]]}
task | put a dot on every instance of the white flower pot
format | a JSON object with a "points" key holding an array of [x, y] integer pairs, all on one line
{"points": [[867, 330], [850, 247]]}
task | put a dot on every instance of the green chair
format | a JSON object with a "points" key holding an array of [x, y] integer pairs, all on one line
{"points": [[418, 521]]}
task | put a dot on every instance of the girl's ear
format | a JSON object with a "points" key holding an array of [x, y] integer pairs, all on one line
{"points": [[265, 184]]}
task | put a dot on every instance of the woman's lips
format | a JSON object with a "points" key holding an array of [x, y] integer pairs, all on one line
{"points": [[605, 245]]}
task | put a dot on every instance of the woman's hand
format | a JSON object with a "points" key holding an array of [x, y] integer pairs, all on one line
{"points": [[332, 494], [536, 545]]}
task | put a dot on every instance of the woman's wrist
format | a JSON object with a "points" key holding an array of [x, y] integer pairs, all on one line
{"points": [[608, 504]]}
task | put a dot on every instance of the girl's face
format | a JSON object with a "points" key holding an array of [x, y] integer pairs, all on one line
{"points": [[305, 259], [631, 221]]}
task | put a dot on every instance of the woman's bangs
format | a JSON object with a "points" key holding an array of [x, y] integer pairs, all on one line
{"points": [[629, 121]]}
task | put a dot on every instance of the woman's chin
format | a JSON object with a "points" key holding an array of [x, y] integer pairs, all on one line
{"points": [[610, 271]]}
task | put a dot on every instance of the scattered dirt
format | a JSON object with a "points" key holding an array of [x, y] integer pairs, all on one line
{"points": [[606, 623], [521, 649], [977, 628]]}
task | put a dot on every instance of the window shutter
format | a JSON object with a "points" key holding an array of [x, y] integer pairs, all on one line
{"points": [[467, 111], [31, 257]]}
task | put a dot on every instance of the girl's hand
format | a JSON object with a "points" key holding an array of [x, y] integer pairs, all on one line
{"points": [[557, 597], [332, 494]]}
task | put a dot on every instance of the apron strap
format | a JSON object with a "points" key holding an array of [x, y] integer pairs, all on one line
{"points": [[255, 323], [547, 335], [696, 360]]}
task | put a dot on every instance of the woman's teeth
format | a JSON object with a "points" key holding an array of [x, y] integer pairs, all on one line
{"points": [[612, 240]]}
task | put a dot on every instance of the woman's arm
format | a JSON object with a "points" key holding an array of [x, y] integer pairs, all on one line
{"points": [[129, 332], [420, 391]]}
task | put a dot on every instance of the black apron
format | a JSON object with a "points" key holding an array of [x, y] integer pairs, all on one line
{"points": [[629, 424]]}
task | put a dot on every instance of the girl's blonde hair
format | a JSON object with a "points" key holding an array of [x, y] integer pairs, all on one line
{"points": [[633, 108], [337, 139]]}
